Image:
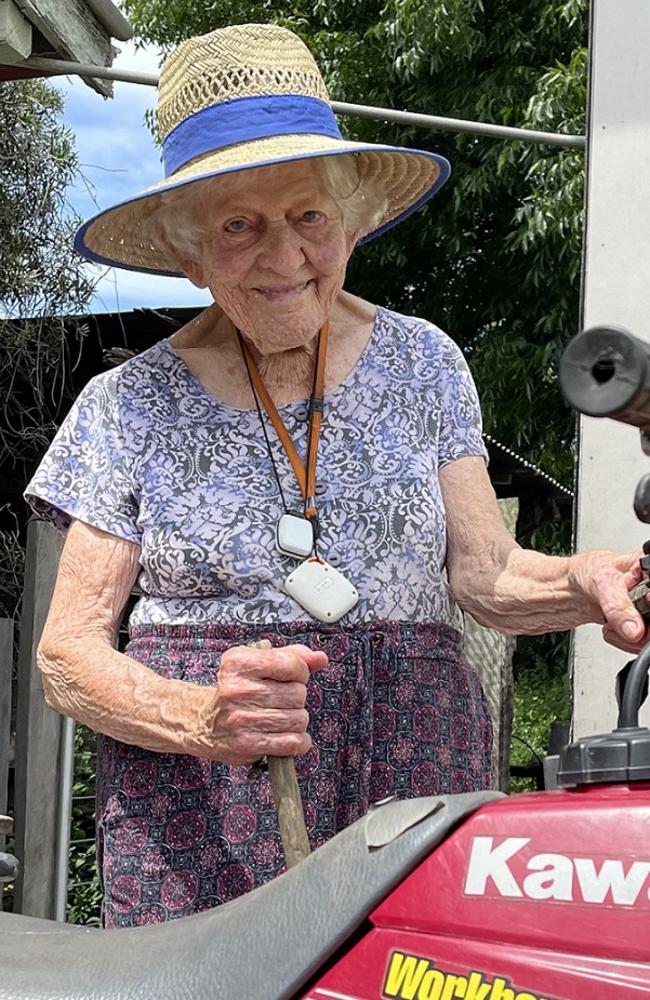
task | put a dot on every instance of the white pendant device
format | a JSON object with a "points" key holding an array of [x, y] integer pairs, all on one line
{"points": [[321, 590], [294, 536]]}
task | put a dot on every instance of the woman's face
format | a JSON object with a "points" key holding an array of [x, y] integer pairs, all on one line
{"points": [[275, 260]]}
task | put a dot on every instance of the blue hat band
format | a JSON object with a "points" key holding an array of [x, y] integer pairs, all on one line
{"points": [[242, 120]]}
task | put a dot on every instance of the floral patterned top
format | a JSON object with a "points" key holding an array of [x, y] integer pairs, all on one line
{"points": [[148, 454]]}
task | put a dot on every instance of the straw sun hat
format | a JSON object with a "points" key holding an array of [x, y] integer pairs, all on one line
{"points": [[248, 96]]}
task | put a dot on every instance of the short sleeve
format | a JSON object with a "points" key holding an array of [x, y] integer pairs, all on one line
{"points": [[87, 472], [461, 425]]}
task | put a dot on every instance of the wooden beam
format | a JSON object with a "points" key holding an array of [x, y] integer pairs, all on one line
{"points": [[73, 32], [38, 736], [15, 34]]}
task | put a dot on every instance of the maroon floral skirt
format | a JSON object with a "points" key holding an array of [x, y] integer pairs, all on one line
{"points": [[396, 713]]}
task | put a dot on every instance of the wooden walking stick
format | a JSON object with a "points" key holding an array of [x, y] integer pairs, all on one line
{"points": [[288, 802]]}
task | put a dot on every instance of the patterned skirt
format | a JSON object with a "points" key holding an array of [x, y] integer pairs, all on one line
{"points": [[397, 712]]}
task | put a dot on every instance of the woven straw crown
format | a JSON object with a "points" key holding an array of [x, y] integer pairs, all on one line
{"points": [[249, 60], [242, 97]]}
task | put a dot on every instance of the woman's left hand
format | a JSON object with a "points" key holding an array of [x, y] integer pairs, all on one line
{"points": [[606, 578]]}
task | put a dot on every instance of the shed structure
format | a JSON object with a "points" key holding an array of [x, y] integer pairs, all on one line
{"points": [[78, 30]]}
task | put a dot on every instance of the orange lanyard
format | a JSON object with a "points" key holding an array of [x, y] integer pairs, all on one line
{"points": [[306, 476]]}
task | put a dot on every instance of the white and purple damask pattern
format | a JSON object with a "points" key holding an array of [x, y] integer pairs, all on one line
{"points": [[397, 711], [148, 454]]}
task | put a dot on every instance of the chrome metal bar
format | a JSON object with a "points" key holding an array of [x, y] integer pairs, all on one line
{"points": [[64, 816], [460, 125], [112, 19], [60, 67]]}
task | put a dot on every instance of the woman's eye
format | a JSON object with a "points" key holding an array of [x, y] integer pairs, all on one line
{"points": [[236, 226], [311, 216]]}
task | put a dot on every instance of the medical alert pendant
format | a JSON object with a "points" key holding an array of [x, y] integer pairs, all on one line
{"points": [[321, 590], [294, 536]]}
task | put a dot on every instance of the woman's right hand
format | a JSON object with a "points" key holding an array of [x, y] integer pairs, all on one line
{"points": [[259, 703]]}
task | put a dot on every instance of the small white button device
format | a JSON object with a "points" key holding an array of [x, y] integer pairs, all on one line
{"points": [[294, 535]]}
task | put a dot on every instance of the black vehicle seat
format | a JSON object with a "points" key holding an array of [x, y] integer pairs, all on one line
{"points": [[262, 946]]}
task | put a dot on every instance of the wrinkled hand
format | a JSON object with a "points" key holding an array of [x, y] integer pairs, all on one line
{"points": [[606, 579], [259, 704]]}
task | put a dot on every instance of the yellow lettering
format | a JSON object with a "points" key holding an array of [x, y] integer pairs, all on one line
{"points": [[404, 975], [410, 977], [477, 988], [431, 986], [453, 987], [501, 990]]}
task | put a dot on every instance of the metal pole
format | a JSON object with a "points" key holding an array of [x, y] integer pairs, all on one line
{"points": [[64, 817], [615, 290], [62, 68], [460, 125], [112, 19]]}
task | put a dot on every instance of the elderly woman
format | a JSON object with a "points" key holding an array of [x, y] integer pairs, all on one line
{"points": [[298, 465]]}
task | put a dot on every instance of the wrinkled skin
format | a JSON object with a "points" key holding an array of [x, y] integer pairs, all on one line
{"points": [[523, 592], [608, 577], [276, 260]]}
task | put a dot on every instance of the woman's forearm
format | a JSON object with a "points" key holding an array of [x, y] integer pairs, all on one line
{"points": [[519, 591], [86, 678], [522, 592], [107, 691], [256, 709]]}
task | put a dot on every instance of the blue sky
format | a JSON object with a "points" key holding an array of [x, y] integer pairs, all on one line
{"points": [[118, 158]]}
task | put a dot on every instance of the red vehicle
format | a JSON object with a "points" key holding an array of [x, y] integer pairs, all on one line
{"points": [[534, 896]]}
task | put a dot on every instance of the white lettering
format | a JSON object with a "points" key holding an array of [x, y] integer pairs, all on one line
{"points": [[553, 878], [486, 862], [595, 884]]}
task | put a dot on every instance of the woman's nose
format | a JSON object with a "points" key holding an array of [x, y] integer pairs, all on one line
{"points": [[282, 249]]}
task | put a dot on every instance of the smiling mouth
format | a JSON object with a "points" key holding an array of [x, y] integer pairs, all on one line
{"points": [[283, 293]]}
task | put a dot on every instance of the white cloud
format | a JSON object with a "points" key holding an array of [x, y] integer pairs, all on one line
{"points": [[144, 58], [116, 151], [118, 158]]}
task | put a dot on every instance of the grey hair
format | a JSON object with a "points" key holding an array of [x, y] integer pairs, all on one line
{"points": [[178, 221]]}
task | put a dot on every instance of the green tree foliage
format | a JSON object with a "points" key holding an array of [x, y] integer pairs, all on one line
{"points": [[42, 278], [84, 891], [495, 258], [541, 698]]}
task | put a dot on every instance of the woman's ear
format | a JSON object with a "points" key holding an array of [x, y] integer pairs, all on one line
{"points": [[193, 270], [351, 240]]}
